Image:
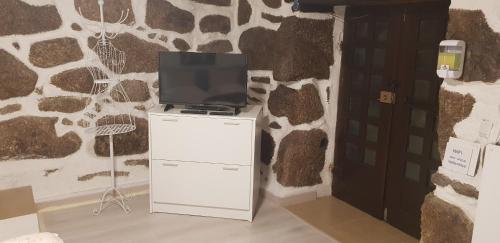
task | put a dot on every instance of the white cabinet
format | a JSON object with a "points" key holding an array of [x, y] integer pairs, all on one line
{"points": [[203, 164], [187, 138], [216, 185]]}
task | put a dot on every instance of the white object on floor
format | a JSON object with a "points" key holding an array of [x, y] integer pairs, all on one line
{"points": [[18, 214], [16, 226], [36, 238], [205, 164], [487, 221]]}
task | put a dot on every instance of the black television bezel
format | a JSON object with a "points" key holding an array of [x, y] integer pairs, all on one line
{"points": [[245, 103]]}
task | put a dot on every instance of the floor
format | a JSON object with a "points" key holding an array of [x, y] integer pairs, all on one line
{"points": [[272, 224], [346, 223]]}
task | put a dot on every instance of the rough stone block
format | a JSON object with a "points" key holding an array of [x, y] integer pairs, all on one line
{"points": [[257, 43], [64, 104], [135, 142], [136, 90], [74, 80], [51, 53], [244, 12], [102, 173], [301, 158], [217, 46], [304, 49], [181, 44], [16, 79], [272, 3], [453, 108], [444, 223], [215, 23], [112, 10], [21, 18], [299, 106], [30, 137], [459, 187], [142, 56], [10, 109], [267, 148], [482, 61], [164, 15], [274, 125], [137, 162]]}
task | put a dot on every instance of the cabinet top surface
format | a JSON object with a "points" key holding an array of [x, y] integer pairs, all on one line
{"points": [[248, 112]]}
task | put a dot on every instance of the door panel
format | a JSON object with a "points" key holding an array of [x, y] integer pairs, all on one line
{"points": [[362, 130], [412, 159], [386, 149]]}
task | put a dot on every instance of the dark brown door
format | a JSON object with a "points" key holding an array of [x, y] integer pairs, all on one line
{"points": [[413, 149], [363, 122], [385, 148]]}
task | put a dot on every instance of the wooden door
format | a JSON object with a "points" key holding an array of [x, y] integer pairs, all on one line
{"points": [[379, 167], [413, 151], [363, 122]]}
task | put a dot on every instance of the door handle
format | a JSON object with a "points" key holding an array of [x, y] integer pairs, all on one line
{"points": [[230, 169], [231, 123], [387, 97]]}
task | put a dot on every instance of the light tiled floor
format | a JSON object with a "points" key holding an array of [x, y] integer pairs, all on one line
{"points": [[346, 223], [272, 224]]}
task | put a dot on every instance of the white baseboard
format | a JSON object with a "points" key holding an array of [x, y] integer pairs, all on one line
{"points": [[142, 188], [289, 200], [89, 197]]}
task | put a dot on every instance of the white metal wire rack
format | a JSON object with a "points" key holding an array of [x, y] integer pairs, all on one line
{"points": [[107, 91]]}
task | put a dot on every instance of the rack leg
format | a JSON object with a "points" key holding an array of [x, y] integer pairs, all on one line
{"points": [[112, 194], [112, 157]]}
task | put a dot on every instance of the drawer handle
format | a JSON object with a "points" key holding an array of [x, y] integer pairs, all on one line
{"points": [[230, 169], [170, 165], [170, 120], [231, 124]]}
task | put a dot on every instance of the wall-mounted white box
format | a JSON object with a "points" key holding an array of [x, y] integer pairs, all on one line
{"points": [[451, 59]]}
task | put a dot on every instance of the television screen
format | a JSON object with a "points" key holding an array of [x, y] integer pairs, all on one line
{"points": [[203, 79]]}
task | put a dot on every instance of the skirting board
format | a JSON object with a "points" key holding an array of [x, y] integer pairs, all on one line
{"points": [[90, 198], [143, 189], [290, 200]]}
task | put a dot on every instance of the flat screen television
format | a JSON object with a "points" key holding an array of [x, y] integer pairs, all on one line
{"points": [[211, 79]]}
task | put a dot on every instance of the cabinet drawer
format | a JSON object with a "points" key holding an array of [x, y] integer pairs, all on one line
{"points": [[196, 139], [201, 184]]}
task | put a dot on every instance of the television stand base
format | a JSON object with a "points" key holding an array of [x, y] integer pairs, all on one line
{"points": [[168, 107], [208, 107], [189, 111], [216, 109], [222, 113]]}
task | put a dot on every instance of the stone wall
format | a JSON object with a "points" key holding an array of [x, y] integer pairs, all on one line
{"points": [[45, 47], [448, 213]]}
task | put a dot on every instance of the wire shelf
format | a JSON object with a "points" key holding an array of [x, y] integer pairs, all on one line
{"points": [[107, 90], [112, 129]]}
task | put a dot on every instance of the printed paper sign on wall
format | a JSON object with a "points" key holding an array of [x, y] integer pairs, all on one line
{"points": [[461, 156]]}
